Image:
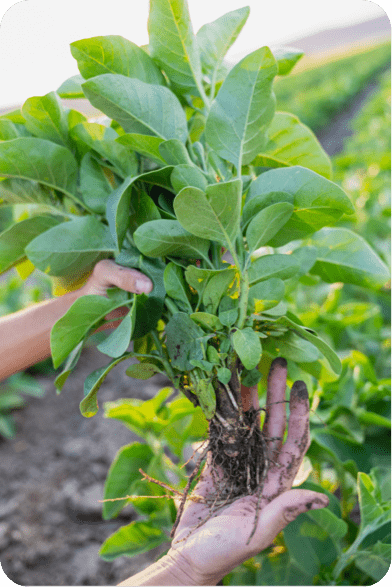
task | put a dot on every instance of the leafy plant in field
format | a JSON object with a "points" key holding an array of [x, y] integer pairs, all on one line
{"points": [[195, 180]]}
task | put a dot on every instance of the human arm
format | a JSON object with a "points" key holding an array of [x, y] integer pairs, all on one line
{"points": [[203, 555], [25, 335]]}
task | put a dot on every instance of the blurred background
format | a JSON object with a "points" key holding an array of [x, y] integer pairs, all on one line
{"points": [[54, 460]]}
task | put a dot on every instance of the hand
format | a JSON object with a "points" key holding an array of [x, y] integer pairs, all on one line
{"points": [[108, 274], [208, 553]]}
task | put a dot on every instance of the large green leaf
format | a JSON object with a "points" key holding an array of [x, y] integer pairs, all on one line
{"points": [[243, 109], [215, 214], [71, 88], [175, 285], [215, 38], [286, 58], [147, 309], [322, 346], [131, 540], [187, 175], [247, 346], [114, 54], [70, 246], [174, 152], [14, 240], [39, 160], [173, 45], [46, 118], [216, 288], [267, 266], [267, 223], [291, 347], [12, 130], [89, 404], [292, 143], [84, 314], [317, 201], [160, 238], [138, 107], [123, 475], [345, 256], [102, 139], [95, 186], [118, 341], [184, 341], [144, 144], [266, 294]]}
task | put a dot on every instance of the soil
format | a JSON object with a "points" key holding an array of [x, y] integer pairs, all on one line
{"points": [[54, 470]]}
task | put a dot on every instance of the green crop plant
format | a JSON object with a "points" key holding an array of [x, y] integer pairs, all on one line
{"points": [[196, 180]]}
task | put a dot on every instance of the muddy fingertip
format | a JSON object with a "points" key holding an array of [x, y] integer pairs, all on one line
{"points": [[279, 362], [299, 390]]}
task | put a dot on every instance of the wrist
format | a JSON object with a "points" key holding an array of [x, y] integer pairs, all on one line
{"points": [[187, 572]]}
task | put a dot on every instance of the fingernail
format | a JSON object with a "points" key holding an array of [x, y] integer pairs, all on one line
{"points": [[143, 285], [299, 389], [279, 361]]}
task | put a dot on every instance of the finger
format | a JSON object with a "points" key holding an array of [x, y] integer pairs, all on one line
{"points": [[249, 397], [298, 437], [107, 273], [279, 512], [275, 411]]}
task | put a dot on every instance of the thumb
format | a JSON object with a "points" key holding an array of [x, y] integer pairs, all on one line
{"points": [[284, 509]]}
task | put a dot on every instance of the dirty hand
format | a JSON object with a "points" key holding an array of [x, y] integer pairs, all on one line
{"points": [[210, 552], [107, 274]]}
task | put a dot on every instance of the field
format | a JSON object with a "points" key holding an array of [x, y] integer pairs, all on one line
{"points": [[59, 468]]}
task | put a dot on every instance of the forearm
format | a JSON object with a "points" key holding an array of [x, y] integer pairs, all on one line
{"points": [[25, 335], [166, 571]]}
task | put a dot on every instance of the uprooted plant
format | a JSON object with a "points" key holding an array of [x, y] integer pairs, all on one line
{"points": [[196, 181]]}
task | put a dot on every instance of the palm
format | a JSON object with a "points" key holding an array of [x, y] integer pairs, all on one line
{"points": [[216, 543]]}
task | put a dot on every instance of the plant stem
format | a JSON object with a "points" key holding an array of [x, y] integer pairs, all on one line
{"points": [[170, 304], [243, 302]]}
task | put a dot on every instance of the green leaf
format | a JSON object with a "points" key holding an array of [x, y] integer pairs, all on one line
{"points": [[343, 256], [228, 311], [160, 238], [268, 266], [173, 45], [142, 370], [89, 404], [206, 396], [224, 375], [174, 152], [316, 200], [292, 143], [248, 347], [71, 88], [114, 54], [70, 246], [123, 476], [265, 295], [250, 378], [148, 309], [39, 160], [102, 139], [243, 109], [199, 278], [286, 58], [187, 175], [292, 347], [209, 321], [144, 144], [322, 346], [132, 540], [184, 341], [138, 107], [11, 130], [46, 118], [14, 240], [175, 284], [84, 314], [119, 340], [95, 186], [117, 210], [215, 214], [215, 38], [143, 210], [217, 286], [267, 223], [69, 366], [374, 561]]}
